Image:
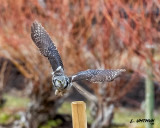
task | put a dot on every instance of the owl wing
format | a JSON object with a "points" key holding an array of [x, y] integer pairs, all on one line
{"points": [[97, 75], [47, 48]]}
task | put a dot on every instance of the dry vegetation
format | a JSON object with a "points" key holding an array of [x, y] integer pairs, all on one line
{"points": [[88, 34]]}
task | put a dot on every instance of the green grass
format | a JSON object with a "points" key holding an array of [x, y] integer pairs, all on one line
{"points": [[12, 105], [66, 109], [52, 123], [16, 102], [125, 115], [4, 117], [121, 116]]}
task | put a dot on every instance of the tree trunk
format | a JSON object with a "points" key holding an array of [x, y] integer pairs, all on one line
{"points": [[149, 94], [43, 107], [104, 116]]}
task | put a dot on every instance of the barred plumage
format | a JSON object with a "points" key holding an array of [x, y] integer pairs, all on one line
{"points": [[46, 46], [98, 75], [61, 82]]}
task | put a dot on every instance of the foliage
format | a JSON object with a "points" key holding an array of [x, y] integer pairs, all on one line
{"points": [[13, 104], [52, 123]]}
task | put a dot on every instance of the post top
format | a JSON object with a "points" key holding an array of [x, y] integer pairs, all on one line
{"points": [[78, 102]]}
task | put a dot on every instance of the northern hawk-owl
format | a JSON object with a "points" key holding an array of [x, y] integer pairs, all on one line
{"points": [[60, 81]]}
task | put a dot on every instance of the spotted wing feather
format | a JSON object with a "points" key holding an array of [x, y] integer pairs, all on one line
{"points": [[43, 41], [97, 75]]}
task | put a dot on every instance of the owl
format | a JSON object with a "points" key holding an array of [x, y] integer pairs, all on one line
{"points": [[61, 82]]}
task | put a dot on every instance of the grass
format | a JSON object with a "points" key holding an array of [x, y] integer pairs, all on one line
{"points": [[121, 116], [125, 115], [52, 123], [66, 109], [13, 104]]}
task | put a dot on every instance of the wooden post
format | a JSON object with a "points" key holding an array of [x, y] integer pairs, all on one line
{"points": [[79, 119]]}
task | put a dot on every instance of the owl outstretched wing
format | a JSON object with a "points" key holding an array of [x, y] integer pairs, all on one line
{"points": [[97, 75], [46, 46]]}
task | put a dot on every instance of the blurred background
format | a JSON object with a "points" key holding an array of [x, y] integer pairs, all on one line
{"points": [[101, 34]]}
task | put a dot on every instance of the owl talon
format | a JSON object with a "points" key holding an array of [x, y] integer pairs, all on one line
{"points": [[56, 92]]}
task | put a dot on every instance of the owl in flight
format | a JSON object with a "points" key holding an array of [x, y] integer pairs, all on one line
{"points": [[60, 81]]}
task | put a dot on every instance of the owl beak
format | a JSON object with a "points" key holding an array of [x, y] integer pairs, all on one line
{"points": [[61, 85]]}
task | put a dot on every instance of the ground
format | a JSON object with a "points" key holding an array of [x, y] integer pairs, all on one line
{"points": [[122, 116]]}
